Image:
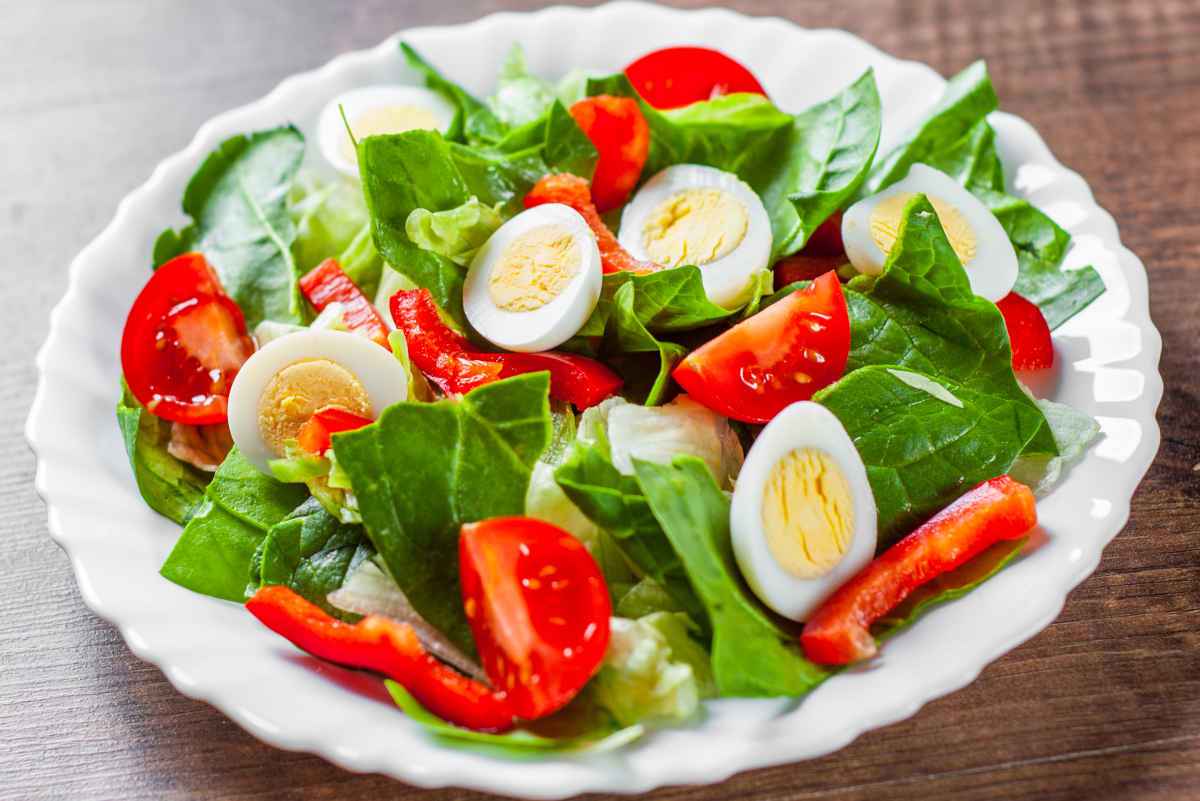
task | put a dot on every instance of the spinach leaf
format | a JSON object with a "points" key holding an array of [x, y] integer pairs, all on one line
{"points": [[473, 120], [821, 162], [751, 654], [921, 314], [170, 487], [924, 441], [312, 552], [217, 547], [972, 160], [554, 142], [521, 96], [237, 200], [969, 97], [424, 469]]}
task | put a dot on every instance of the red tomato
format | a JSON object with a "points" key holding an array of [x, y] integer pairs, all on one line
{"points": [[1028, 333], [827, 239], [802, 267], [315, 436], [622, 139], [538, 607], [184, 342], [781, 355], [677, 76]]}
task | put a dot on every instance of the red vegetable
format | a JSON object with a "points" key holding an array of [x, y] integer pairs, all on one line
{"points": [[802, 267], [448, 359], [328, 283], [1028, 333], [677, 76], [384, 646], [622, 139], [839, 632], [781, 355], [538, 607], [183, 343], [315, 436], [574, 191], [827, 239]]}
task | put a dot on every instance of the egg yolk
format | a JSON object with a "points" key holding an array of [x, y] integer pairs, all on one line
{"points": [[387, 120], [534, 269], [886, 217], [695, 226], [300, 390], [807, 513]]}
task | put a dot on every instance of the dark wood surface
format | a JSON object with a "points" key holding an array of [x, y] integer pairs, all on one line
{"points": [[1105, 704]]}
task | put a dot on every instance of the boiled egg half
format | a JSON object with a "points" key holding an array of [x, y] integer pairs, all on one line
{"points": [[870, 228], [535, 281], [693, 214], [803, 514], [290, 378], [376, 110]]}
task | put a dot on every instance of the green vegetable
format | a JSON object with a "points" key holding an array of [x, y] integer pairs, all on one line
{"points": [[455, 233], [1073, 432], [424, 469], [331, 222], [216, 549], [521, 96], [170, 487], [972, 160], [921, 314], [645, 598], [751, 655], [238, 204], [553, 142], [473, 120]]}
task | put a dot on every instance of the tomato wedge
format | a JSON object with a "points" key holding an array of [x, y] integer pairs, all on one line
{"points": [[316, 436], [328, 283], [622, 139], [678, 76], [1028, 333], [538, 607], [781, 355], [183, 343]]}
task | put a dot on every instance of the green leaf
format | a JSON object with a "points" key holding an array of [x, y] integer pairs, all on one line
{"points": [[170, 487], [819, 164], [331, 222], [521, 96], [972, 160], [473, 120], [921, 314], [921, 451], [456, 233], [171, 243], [751, 654], [217, 547], [424, 469], [238, 202]]}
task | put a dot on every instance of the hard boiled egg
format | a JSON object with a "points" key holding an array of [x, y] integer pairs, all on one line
{"points": [[289, 379], [375, 110], [803, 514], [870, 228], [535, 281], [692, 214]]}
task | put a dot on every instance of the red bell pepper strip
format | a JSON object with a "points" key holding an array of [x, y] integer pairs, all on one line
{"points": [[448, 359], [839, 632], [573, 191], [1028, 333], [328, 283], [315, 436], [384, 646]]}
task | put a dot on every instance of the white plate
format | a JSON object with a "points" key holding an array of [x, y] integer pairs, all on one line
{"points": [[216, 652]]}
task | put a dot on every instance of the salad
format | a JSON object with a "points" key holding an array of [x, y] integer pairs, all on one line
{"points": [[569, 408]]}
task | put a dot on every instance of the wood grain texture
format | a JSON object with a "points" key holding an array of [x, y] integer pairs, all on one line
{"points": [[1104, 704]]}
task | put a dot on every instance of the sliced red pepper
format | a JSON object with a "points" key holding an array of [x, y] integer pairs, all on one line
{"points": [[573, 191], [839, 632], [315, 436], [622, 140], [384, 646], [1028, 333], [448, 360], [328, 283]]}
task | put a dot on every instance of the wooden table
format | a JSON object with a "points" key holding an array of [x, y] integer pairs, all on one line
{"points": [[1104, 704]]}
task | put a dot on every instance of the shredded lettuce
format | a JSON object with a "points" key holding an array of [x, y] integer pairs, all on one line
{"points": [[455, 233], [331, 222], [521, 96]]}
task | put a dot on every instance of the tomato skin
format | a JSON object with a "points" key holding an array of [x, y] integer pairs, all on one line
{"points": [[538, 607], [184, 342], [781, 355], [316, 436], [678, 76], [1028, 333], [618, 130], [803, 267]]}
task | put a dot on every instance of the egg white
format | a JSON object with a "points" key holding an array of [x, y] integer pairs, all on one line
{"points": [[729, 280], [380, 374], [993, 270], [331, 130], [557, 321], [802, 425]]}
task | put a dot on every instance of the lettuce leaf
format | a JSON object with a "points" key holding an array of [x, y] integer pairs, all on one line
{"points": [[473, 120], [521, 96], [424, 469], [331, 221], [170, 487], [455, 233]]}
